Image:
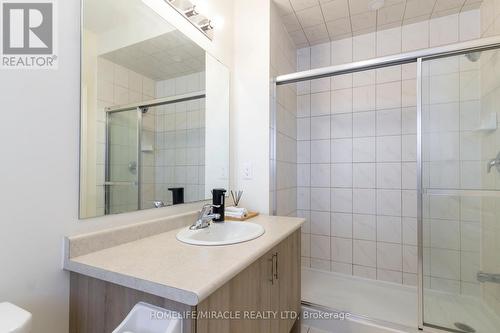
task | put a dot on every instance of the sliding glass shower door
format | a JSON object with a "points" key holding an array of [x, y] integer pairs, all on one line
{"points": [[122, 161], [460, 192]]}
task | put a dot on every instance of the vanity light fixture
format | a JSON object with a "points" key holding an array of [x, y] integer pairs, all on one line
{"points": [[206, 26], [189, 10]]}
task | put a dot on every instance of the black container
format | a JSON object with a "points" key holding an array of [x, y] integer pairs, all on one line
{"points": [[218, 199], [177, 195]]}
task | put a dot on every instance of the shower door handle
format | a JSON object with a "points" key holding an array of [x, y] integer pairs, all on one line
{"points": [[494, 163], [488, 277]]}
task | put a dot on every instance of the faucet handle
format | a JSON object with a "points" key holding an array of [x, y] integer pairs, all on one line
{"points": [[207, 208]]}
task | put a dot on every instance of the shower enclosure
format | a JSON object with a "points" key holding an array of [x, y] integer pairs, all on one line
{"points": [[131, 135], [401, 185]]}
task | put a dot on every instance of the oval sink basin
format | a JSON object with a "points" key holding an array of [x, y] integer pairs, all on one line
{"points": [[221, 234]]}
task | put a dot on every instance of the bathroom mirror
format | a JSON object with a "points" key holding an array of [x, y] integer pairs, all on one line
{"points": [[154, 112]]}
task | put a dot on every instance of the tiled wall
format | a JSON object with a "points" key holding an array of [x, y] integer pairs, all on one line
{"points": [[356, 152], [180, 140], [117, 85], [490, 100], [283, 60]]}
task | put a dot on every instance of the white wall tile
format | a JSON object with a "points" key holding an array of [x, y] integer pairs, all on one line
{"points": [[341, 200], [388, 74], [320, 127], [365, 253], [409, 226], [341, 81], [342, 249], [340, 267], [389, 276], [321, 264], [320, 151], [445, 263], [389, 41], [303, 106], [364, 227], [365, 272], [364, 201], [342, 150], [320, 223], [341, 126], [320, 85], [320, 247], [363, 124], [364, 149], [389, 229], [364, 46], [415, 36], [470, 25], [363, 98], [320, 199], [389, 122], [364, 175], [304, 152], [389, 202], [388, 95], [320, 55], [303, 175], [389, 256], [364, 78], [320, 175], [341, 225], [342, 51], [444, 30], [388, 148], [341, 101], [341, 175], [389, 175], [320, 104]]}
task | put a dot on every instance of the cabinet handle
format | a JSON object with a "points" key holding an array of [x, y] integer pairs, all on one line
{"points": [[271, 261], [276, 266]]}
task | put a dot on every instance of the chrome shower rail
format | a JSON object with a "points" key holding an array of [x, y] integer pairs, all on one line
{"points": [[157, 102], [436, 52]]}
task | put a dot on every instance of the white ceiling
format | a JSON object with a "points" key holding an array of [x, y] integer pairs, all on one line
{"points": [[312, 22], [164, 57]]}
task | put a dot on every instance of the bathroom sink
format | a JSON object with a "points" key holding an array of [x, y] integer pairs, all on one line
{"points": [[221, 234]]}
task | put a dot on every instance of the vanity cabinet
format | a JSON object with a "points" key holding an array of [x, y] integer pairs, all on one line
{"points": [[263, 294], [268, 288]]}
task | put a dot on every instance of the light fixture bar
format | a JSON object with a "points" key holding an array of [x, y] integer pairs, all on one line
{"points": [[205, 27]]}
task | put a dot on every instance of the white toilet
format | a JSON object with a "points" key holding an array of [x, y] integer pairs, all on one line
{"points": [[13, 319]]}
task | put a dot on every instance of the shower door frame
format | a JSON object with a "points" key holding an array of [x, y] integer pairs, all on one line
{"points": [[141, 108], [417, 57]]}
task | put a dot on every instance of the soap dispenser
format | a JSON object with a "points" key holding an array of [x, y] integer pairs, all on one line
{"points": [[218, 199]]}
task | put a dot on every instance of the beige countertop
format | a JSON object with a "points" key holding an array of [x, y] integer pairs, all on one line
{"points": [[163, 266]]}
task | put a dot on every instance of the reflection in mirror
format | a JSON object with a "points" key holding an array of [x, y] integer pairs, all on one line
{"points": [[152, 135]]}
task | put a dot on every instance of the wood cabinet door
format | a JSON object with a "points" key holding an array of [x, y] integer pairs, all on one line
{"points": [[269, 287], [289, 281]]}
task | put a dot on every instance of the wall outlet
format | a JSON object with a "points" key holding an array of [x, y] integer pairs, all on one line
{"points": [[247, 171]]}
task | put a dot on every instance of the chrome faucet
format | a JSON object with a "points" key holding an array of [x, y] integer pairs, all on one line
{"points": [[206, 216], [159, 204]]}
